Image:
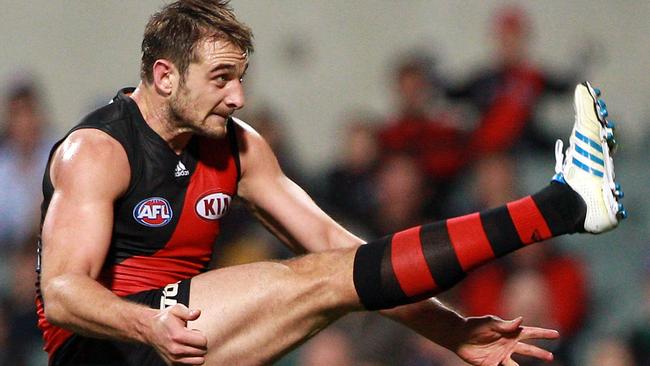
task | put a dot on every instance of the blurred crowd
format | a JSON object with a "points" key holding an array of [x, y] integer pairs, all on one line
{"points": [[451, 147]]}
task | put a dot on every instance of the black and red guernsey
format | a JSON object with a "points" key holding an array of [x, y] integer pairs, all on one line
{"points": [[166, 223]]}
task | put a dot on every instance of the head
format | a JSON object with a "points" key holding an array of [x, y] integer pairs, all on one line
{"points": [[526, 293], [512, 32], [415, 83], [194, 55], [269, 123], [330, 347], [494, 180], [25, 119], [359, 148], [400, 190], [610, 351]]}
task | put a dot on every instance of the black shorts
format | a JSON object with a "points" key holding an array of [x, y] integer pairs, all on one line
{"points": [[79, 350]]}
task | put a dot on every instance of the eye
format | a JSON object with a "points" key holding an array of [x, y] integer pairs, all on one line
{"points": [[221, 80]]}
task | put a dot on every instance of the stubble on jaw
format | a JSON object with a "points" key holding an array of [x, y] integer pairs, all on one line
{"points": [[182, 120]]}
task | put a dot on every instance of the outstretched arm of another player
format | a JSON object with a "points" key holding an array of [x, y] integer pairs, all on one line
{"points": [[289, 212], [89, 171]]}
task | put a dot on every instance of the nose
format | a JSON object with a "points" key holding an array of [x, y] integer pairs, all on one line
{"points": [[235, 97]]}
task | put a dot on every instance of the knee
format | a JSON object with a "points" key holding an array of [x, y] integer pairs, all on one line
{"points": [[327, 276]]}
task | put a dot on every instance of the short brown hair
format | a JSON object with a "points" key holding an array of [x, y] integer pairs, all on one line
{"points": [[174, 32]]}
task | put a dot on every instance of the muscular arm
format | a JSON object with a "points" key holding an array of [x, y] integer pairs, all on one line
{"points": [[76, 236], [89, 171]]}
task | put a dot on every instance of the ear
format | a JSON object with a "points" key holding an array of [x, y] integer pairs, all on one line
{"points": [[165, 75]]}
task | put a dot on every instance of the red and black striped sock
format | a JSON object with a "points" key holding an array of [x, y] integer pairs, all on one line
{"points": [[420, 262]]}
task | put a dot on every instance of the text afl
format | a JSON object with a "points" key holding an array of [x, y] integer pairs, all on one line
{"points": [[153, 212]]}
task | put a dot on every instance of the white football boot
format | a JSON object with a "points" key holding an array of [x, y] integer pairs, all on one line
{"points": [[587, 166]]}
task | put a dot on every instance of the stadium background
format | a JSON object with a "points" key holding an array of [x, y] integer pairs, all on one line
{"points": [[317, 61]]}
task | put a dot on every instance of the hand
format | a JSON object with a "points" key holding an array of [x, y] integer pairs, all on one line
{"points": [[490, 341], [174, 342]]}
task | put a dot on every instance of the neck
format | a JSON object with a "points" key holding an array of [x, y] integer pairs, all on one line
{"points": [[155, 111]]}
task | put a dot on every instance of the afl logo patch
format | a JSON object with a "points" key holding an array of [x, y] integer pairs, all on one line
{"points": [[213, 206], [153, 212]]}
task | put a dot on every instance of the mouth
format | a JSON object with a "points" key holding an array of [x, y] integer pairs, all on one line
{"points": [[221, 115], [216, 119], [216, 116]]}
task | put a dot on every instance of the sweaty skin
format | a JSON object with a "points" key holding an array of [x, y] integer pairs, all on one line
{"points": [[244, 315]]}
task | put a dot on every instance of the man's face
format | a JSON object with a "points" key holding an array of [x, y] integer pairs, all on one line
{"points": [[414, 92], [212, 89], [511, 45]]}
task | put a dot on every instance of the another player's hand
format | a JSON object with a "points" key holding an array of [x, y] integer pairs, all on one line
{"points": [[177, 344], [490, 341]]}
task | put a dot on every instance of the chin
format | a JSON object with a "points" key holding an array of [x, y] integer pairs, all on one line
{"points": [[214, 127], [213, 133]]}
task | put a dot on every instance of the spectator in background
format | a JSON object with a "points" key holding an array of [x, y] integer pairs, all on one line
{"points": [[349, 192], [23, 152], [422, 129], [507, 93]]}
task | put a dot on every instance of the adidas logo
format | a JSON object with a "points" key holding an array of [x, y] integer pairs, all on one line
{"points": [[181, 171]]}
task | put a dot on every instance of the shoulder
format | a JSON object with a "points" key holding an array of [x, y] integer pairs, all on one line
{"points": [[245, 132], [89, 156], [90, 142], [250, 142], [256, 157]]}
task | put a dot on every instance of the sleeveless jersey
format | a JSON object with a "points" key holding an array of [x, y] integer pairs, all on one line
{"points": [[166, 223]]}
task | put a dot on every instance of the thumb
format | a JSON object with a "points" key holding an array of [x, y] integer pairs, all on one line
{"points": [[183, 312], [194, 314], [509, 326]]}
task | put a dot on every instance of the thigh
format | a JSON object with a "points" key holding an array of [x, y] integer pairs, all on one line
{"points": [[253, 314]]}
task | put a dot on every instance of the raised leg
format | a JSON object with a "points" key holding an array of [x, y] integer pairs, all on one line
{"points": [[252, 314]]}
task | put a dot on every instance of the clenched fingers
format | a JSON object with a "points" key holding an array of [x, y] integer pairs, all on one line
{"points": [[180, 354], [192, 338], [182, 350]]}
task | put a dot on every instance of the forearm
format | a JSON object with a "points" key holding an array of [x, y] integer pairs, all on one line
{"points": [[80, 304], [431, 319]]}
